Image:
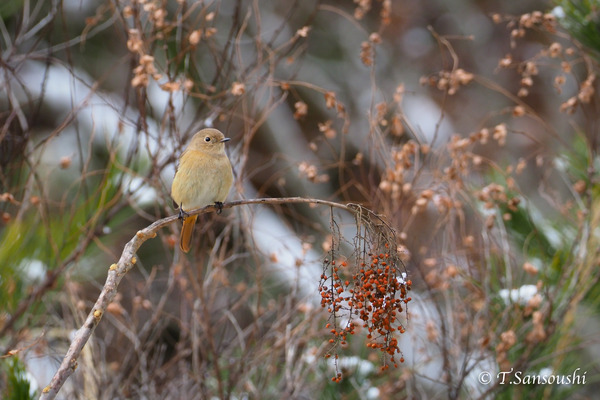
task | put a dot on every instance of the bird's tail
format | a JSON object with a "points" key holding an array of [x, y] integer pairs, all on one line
{"points": [[185, 240]]}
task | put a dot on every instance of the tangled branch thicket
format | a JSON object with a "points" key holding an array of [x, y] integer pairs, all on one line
{"points": [[463, 157]]}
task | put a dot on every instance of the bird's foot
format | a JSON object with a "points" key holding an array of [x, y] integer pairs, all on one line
{"points": [[182, 214], [219, 206]]}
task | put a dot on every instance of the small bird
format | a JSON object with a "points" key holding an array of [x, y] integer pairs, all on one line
{"points": [[203, 177]]}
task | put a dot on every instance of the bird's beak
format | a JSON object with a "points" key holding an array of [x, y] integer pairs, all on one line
{"points": [[225, 139]]}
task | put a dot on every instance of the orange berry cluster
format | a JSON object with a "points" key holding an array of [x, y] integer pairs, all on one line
{"points": [[374, 293]]}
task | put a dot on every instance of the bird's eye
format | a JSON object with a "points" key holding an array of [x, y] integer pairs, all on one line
{"points": [[207, 139]]}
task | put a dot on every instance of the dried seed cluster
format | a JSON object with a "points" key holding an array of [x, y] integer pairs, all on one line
{"points": [[158, 26], [566, 57], [364, 6], [374, 295], [448, 81]]}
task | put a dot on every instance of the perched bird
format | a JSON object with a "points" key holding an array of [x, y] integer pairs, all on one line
{"points": [[203, 177]]}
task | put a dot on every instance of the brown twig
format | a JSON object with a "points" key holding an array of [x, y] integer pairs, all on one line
{"points": [[117, 271]]}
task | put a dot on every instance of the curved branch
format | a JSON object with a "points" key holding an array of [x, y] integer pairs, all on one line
{"points": [[117, 271]]}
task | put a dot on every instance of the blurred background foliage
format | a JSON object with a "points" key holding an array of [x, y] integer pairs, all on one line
{"points": [[471, 127]]}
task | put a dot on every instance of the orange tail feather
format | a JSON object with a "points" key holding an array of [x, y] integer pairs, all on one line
{"points": [[185, 240]]}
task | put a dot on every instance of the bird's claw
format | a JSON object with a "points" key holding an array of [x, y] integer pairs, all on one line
{"points": [[219, 206], [182, 214]]}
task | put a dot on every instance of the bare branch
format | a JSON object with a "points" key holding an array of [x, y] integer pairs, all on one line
{"points": [[117, 271]]}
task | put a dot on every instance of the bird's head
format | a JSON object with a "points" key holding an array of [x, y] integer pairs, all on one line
{"points": [[209, 140]]}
